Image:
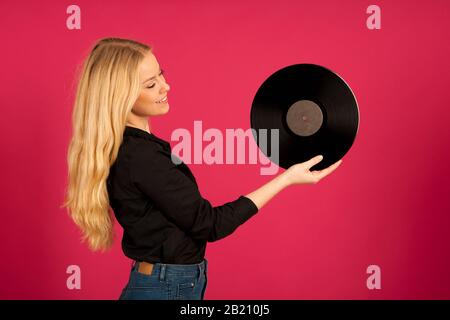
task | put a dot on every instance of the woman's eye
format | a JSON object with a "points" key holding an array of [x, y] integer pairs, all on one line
{"points": [[161, 73]]}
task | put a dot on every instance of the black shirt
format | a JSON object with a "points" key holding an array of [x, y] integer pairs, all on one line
{"points": [[157, 202]]}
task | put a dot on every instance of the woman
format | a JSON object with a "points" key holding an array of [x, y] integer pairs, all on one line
{"points": [[115, 160]]}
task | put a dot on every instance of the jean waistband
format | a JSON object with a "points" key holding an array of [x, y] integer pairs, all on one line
{"points": [[163, 268]]}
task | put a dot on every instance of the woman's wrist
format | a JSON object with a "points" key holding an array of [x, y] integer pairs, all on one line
{"points": [[285, 179]]}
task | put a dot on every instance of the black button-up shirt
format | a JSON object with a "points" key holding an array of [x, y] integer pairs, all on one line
{"points": [[157, 202]]}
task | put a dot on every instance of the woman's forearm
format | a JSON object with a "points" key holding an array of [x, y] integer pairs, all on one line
{"points": [[266, 192]]}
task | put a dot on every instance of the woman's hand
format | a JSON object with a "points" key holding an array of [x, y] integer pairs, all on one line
{"points": [[299, 173], [296, 174]]}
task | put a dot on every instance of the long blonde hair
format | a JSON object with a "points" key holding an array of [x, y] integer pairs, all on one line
{"points": [[107, 90]]}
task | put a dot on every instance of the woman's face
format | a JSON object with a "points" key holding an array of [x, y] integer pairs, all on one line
{"points": [[153, 99]]}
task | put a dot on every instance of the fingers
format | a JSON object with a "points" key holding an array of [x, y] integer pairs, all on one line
{"points": [[313, 161], [323, 173]]}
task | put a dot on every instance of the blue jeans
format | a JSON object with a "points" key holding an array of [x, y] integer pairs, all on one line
{"points": [[167, 282]]}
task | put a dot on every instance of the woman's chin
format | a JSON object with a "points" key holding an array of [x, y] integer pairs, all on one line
{"points": [[161, 109], [165, 109]]}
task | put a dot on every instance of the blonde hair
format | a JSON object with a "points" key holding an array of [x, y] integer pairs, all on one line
{"points": [[107, 89]]}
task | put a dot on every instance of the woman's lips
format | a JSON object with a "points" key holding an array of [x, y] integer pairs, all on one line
{"points": [[164, 100]]}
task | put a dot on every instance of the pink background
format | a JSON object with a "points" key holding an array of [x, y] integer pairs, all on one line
{"points": [[388, 204]]}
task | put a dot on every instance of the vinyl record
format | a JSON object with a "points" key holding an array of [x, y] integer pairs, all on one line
{"points": [[314, 110]]}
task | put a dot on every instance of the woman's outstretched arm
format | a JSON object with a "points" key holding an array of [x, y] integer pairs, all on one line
{"points": [[296, 174]]}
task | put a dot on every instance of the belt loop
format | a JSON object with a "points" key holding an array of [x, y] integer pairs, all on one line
{"points": [[200, 271], [162, 273]]}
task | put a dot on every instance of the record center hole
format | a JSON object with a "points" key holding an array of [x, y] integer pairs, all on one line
{"points": [[304, 118]]}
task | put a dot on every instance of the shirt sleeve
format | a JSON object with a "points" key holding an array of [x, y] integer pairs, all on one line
{"points": [[179, 199]]}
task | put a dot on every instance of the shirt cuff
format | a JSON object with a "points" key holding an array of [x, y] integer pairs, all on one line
{"points": [[246, 208]]}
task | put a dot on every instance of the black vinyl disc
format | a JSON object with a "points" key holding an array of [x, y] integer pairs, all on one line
{"points": [[314, 110]]}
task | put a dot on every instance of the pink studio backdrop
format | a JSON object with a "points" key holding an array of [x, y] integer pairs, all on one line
{"points": [[387, 205]]}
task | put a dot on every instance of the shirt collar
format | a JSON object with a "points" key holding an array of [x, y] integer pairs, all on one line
{"points": [[136, 132]]}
